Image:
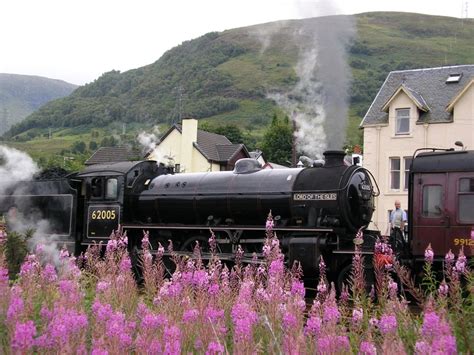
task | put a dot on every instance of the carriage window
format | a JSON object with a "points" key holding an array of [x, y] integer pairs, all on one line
{"points": [[111, 189], [466, 200], [432, 201]]}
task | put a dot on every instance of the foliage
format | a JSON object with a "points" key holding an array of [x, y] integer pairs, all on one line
{"points": [[16, 249], [277, 141], [205, 307]]}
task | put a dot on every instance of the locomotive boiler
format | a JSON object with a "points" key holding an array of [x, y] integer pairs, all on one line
{"points": [[331, 196]]}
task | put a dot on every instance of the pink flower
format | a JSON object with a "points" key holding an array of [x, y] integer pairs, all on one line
{"points": [[367, 348], [429, 254], [125, 264], [190, 315], [49, 273], [388, 323], [331, 314], [313, 326], [449, 258], [443, 289], [23, 337], [461, 262], [215, 348], [289, 320], [297, 288], [357, 315]]}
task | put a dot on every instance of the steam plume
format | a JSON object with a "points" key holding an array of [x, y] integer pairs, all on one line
{"points": [[318, 103], [15, 166]]}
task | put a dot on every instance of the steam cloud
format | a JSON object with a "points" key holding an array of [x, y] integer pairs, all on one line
{"points": [[149, 142], [318, 103], [15, 166]]}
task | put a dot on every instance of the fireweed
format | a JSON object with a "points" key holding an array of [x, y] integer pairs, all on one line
{"points": [[206, 306]]}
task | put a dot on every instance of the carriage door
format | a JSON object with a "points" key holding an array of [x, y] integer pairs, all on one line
{"points": [[103, 207], [431, 219], [461, 203]]}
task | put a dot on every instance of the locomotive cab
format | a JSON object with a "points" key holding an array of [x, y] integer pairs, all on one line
{"points": [[109, 189]]}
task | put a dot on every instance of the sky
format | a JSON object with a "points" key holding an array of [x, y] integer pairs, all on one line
{"points": [[79, 40]]}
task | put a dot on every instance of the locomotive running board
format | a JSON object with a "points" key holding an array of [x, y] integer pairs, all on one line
{"points": [[223, 228]]}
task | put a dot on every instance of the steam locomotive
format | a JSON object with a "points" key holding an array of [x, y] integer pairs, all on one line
{"points": [[317, 210]]}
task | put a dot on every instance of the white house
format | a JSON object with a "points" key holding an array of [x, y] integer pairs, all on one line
{"points": [[414, 109]]}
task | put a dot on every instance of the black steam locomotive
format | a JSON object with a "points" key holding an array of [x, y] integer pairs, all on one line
{"points": [[317, 210]]}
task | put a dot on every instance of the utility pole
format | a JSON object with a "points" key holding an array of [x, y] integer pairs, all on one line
{"points": [[4, 121], [293, 141]]}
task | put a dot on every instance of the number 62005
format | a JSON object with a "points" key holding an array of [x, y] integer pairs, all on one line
{"points": [[103, 214]]}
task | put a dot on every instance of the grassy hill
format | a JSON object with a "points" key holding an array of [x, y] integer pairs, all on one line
{"points": [[21, 95], [246, 75]]}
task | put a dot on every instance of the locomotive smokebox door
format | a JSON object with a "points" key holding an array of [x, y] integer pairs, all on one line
{"points": [[306, 250]]}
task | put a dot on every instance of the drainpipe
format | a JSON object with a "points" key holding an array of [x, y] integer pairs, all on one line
{"points": [[425, 139], [377, 174]]}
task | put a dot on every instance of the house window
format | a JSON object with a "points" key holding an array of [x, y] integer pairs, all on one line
{"points": [[402, 121], [395, 173], [466, 200], [407, 163]]}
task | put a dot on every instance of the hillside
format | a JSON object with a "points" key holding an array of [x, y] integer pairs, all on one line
{"points": [[246, 75], [21, 95]]}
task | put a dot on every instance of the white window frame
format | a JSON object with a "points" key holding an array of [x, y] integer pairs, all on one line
{"points": [[395, 173], [402, 114]]}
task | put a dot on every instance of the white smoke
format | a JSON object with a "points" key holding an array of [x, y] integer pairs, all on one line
{"points": [[149, 142], [318, 103], [15, 166]]}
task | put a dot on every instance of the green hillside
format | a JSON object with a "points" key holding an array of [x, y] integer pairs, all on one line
{"points": [[238, 75], [21, 95]]}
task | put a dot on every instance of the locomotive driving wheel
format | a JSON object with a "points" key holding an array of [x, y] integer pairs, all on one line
{"points": [[190, 243]]}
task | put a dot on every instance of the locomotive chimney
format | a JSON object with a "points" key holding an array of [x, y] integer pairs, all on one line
{"points": [[334, 158]]}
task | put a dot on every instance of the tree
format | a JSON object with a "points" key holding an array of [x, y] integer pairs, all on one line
{"points": [[277, 141], [78, 147], [232, 132], [93, 145]]}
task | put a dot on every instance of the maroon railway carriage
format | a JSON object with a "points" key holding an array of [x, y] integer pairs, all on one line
{"points": [[441, 203]]}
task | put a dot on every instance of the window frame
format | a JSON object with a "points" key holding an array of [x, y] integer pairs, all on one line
{"points": [[427, 213], [399, 117], [394, 171], [461, 194]]}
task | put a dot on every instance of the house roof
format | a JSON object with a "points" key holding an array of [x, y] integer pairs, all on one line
{"points": [[215, 147], [112, 154], [426, 87]]}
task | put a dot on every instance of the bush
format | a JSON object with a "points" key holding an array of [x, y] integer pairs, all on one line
{"points": [[15, 251]]}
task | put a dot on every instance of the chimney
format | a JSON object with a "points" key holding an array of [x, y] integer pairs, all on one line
{"points": [[189, 127], [334, 158]]}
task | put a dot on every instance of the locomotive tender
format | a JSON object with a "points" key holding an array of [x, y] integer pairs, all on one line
{"points": [[317, 210]]}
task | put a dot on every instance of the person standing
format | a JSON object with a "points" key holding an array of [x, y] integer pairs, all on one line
{"points": [[398, 219]]}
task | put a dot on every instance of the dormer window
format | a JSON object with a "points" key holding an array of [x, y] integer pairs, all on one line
{"points": [[402, 123]]}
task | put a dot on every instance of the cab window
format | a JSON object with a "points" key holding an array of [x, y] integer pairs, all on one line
{"points": [[96, 187], [111, 189]]}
